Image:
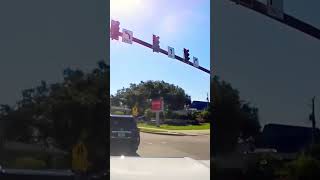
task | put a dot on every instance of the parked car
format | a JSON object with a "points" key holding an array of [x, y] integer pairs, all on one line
{"points": [[125, 134]]}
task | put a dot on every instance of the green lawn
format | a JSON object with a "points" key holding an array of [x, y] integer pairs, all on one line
{"points": [[169, 127]]}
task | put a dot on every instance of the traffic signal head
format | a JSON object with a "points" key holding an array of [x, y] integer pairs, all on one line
{"points": [[115, 29], [186, 54], [155, 43]]}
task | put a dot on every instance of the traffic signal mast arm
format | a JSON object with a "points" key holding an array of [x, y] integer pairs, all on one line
{"points": [[287, 19], [136, 40]]}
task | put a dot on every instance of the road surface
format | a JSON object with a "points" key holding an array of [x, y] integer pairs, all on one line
{"points": [[154, 145]]}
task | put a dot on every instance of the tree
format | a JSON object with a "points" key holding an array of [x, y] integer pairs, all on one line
{"points": [[303, 168], [140, 94], [230, 117], [148, 113], [63, 111], [250, 125]]}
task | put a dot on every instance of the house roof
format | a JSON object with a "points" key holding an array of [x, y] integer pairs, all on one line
{"points": [[286, 138], [199, 105]]}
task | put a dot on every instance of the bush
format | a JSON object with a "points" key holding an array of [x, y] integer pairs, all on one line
{"points": [[175, 122], [59, 163], [193, 122], [202, 116], [263, 167], [195, 115], [169, 114], [303, 168], [118, 113], [28, 163], [205, 116], [184, 117], [314, 151], [148, 113]]}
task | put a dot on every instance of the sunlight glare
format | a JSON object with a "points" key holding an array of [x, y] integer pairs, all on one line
{"points": [[124, 7]]}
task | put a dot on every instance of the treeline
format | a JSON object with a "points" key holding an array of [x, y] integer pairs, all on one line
{"points": [[141, 95], [62, 111], [175, 99], [232, 118]]}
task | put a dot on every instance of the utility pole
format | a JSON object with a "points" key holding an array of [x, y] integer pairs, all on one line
{"points": [[313, 120], [207, 100]]}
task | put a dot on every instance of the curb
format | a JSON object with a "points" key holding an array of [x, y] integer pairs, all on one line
{"points": [[169, 133]]}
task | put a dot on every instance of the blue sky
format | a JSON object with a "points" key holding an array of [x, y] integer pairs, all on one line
{"points": [[180, 24]]}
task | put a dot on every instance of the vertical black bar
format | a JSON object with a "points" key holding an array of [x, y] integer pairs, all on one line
{"points": [[107, 114], [212, 21], [48, 71]]}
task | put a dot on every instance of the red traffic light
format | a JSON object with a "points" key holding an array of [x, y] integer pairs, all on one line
{"points": [[114, 30]]}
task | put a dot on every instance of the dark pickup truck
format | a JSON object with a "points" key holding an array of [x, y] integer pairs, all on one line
{"points": [[124, 134]]}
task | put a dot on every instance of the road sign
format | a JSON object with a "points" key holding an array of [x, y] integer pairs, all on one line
{"points": [[157, 105], [135, 111], [127, 36], [195, 62], [275, 8], [171, 52], [80, 158]]}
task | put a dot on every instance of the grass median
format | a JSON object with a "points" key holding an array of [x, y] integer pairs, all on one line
{"points": [[165, 127]]}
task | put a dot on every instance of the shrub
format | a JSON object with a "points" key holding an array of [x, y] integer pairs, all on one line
{"points": [[118, 113], [303, 168], [263, 167], [171, 115], [195, 115], [205, 115], [148, 113], [28, 163], [175, 122], [314, 151]]}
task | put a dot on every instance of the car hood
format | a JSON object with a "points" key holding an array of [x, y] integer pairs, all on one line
{"points": [[129, 168]]}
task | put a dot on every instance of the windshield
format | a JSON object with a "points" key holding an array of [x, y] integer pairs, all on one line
{"points": [[160, 75]]}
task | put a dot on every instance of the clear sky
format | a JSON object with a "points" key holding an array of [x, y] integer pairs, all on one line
{"points": [[275, 67], [180, 24]]}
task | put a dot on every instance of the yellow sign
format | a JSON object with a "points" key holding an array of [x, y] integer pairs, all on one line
{"points": [[135, 111], [80, 157]]}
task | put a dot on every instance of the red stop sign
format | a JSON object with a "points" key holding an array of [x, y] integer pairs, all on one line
{"points": [[156, 105]]}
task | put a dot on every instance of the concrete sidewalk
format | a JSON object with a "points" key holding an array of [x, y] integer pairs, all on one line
{"points": [[175, 132]]}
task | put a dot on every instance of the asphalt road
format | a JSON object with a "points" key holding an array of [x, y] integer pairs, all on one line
{"points": [[154, 145]]}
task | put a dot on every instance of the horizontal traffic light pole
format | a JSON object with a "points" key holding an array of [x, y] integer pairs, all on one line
{"points": [[143, 43], [287, 19]]}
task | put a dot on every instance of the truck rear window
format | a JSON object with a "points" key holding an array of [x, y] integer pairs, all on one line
{"points": [[118, 122]]}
